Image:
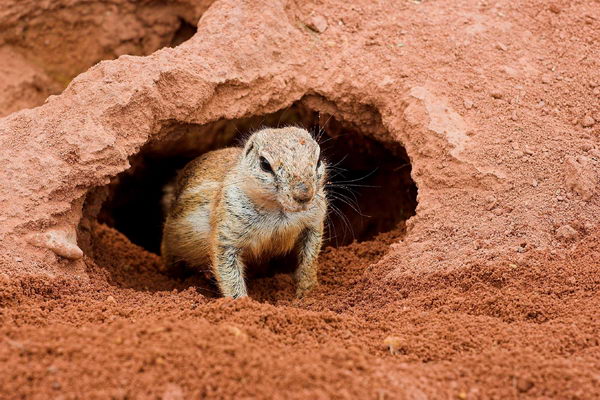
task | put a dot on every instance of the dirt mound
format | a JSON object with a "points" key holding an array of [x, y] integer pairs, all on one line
{"points": [[489, 291], [495, 331], [43, 46]]}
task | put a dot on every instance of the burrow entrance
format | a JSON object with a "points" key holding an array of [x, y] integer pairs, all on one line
{"points": [[372, 190]]}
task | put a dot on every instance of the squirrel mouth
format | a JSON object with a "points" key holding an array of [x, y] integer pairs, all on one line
{"points": [[296, 208]]}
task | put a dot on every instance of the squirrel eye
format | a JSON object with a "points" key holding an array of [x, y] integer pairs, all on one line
{"points": [[319, 163], [264, 165]]}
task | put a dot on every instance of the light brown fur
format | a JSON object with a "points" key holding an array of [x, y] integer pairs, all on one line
{"points": [[235, 206]]}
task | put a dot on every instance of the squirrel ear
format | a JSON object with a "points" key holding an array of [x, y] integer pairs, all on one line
{"points": [[250, 147]]}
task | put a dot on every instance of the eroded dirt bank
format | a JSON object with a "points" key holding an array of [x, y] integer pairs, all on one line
{"points": [[491, 291]]}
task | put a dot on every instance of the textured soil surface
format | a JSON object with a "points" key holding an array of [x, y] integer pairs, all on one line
{"points": [[491, 290]]}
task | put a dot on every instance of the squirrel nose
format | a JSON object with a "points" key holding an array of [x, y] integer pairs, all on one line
{"points": [[302, 193]]}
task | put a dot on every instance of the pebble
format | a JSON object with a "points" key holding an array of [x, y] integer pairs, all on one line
{"points": [[524, 385], [62, 243], [468, 104], [546, 79], [237, 332], [111, 299], [172, 392], [595, 153], [554, 8], [501, 46], [317, 23], [535, 183], [491, 202], [514, 116], [567, 232], [497, 94], [587, 121], [52, 369], [393, 343]]}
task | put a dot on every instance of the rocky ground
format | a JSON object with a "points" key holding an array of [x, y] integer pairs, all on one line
{"points": [[489, 291]]}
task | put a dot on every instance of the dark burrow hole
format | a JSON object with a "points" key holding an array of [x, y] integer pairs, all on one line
{"points": [[183, 33], [372, 189]]}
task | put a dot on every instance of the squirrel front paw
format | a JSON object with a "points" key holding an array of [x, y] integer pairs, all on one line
{"points": [[303, 288]]}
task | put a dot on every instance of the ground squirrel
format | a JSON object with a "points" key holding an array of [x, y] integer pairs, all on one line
{"points": [[238, 206]]}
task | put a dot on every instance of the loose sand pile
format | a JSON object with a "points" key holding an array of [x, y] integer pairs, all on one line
{"points": [[489, 291]]}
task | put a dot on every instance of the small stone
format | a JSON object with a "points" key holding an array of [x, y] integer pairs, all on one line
{"points": [[468, 104], [173, 392], [595, 153], [524, 385], [566, 232], [498, 211], [520, 249], [387, 81], [317, 24], [501, 46], [528, 151], [56, 385], [393, 344], [514, 116], [491, 202], [586, 146], [554, 8], [560, 198], [62, 243], [18, 259], [546, 79], [52, 369], [111, 299], [535, 183], [580, 176], [237, 332], [496, 94], [587, 121]]}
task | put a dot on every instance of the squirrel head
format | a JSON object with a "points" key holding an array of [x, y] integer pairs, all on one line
{"points": [[283, 169]]}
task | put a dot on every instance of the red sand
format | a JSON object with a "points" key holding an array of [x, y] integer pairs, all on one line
{"points": [[492, 332], [492, 291]]}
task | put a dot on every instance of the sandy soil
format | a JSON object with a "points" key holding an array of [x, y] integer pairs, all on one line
{"points": [[489, 291]]}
